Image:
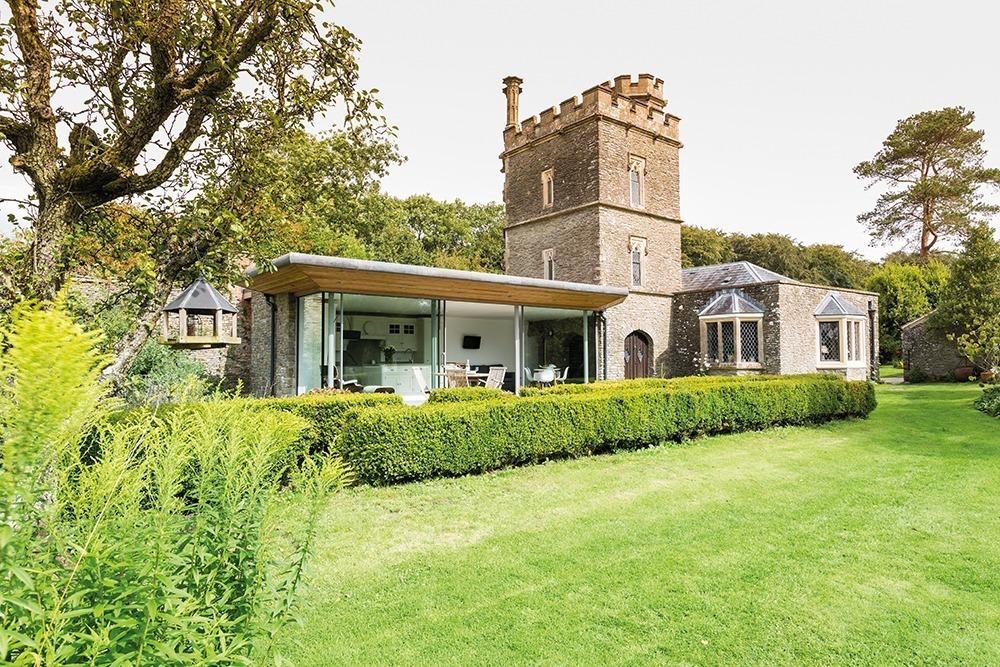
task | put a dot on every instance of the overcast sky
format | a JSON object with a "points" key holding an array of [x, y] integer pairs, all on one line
{"points": [[778, 100]]}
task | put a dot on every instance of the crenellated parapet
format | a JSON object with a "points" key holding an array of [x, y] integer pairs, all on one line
{"points": [[639, 104]]}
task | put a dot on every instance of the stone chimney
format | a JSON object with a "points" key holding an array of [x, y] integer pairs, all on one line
{"points": [[512, 88]]}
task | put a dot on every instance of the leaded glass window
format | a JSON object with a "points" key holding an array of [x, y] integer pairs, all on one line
{"points": [[728, 342], [712, 340], [857, 341], [829, 341], [749, 343]]}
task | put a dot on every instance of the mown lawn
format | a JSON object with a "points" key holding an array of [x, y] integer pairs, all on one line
{"points": [[872, 542], [890, 372]]}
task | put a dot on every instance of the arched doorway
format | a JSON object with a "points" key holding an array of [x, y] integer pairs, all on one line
{"points": [[638, 356]]}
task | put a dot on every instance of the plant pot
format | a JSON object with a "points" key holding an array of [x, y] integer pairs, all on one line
{"points": [[988, 377], [964, 373]]}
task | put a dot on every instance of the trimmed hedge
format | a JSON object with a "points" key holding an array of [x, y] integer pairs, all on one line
{"points": [[463, 394], [989, 402], [327, 413], [397, 445], [691, 382]]}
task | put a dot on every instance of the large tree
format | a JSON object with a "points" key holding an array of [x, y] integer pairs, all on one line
{"points": [[146, 101], [142, 118], [932, 166], [969, 311]]}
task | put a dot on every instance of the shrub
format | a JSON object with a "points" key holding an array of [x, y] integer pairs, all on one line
{"points": [[666, 383], [989, 402], [461, 394], [159, 546], [386, 446]]}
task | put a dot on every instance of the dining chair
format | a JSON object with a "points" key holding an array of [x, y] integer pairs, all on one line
{"points": [[495, 378], [561, 379], [529, 377], [457, 377], [545, 376], [418, 373]]}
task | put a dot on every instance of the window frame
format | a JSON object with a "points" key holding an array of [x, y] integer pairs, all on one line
{"points": [[637, 244], [737, 321], [548, 264], [852, 337], [548, 188], [637, 165]]}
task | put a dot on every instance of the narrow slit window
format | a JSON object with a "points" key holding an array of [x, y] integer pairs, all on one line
{"points": [[548, 189], [636, 179], [548, 264], [637, 248]]}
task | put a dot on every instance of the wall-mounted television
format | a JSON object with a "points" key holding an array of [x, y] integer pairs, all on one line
{"points": [[471, 342]]}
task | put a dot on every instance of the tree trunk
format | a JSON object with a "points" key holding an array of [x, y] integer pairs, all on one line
{"points": [[45, 270], [128, 347]]}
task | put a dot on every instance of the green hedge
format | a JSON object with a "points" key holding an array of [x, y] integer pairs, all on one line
{"points": [[989, 402], [690, 382], [463, 394], [387, 446]]}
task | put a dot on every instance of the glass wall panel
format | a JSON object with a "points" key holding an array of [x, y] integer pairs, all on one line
{"points": [[384, 339], [310, 343], [480, 335], [560, 339]]}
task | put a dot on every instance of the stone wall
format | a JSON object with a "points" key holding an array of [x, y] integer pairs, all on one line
{"points": [[800, 334], [573, 159], [662, 270], [648, 313], [285, 346], [928, 355], [574, 238], [617, 142], [686, 329]]}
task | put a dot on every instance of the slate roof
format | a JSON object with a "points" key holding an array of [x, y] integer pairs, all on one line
{"points": [[835, 306], [200, 298], [731, 302], [721, 276]]}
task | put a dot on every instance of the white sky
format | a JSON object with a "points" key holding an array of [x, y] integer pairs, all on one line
{"points": [[778, 100]]}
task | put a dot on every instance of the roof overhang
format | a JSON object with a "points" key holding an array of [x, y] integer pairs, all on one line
{"points": [[301, 274]]}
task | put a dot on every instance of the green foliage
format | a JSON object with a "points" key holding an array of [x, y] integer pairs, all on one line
{"points": [[822, 264], [689, 382], [906, 292], [159, 374], [969, 312], [989, 402], [325, 413], [462, 394], [155, 546], [387, 446], [932, 167]]}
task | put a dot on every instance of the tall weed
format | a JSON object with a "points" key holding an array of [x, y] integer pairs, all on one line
{"points": [[156, 543]]}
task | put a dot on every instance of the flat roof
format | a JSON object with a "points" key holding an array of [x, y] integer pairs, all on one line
{"points": [[302, 274]]}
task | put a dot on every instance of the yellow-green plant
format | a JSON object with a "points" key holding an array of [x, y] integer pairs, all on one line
{"points": [[152, 541]]}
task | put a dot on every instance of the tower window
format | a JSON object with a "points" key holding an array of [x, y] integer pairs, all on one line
{"points": [[637, 252], [637, 181], [548, 264], [548, 189]]}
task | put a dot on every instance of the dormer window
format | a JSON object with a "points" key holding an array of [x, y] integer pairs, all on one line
{"points": [[548, 189], [548, 264], [637, 181], [637, 252]]}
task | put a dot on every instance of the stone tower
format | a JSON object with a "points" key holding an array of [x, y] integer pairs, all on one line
{"points": [[592, 191]]}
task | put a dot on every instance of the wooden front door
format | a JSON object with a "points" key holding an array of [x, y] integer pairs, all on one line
{"points": [[638, 363]]}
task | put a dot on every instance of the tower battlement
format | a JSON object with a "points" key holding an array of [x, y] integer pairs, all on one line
{"points": [[635, 103]]}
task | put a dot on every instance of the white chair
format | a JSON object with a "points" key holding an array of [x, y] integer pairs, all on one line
{"points": [[561, 379], [495, 378], [545, 376], [529, 377], [421, 380]]}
